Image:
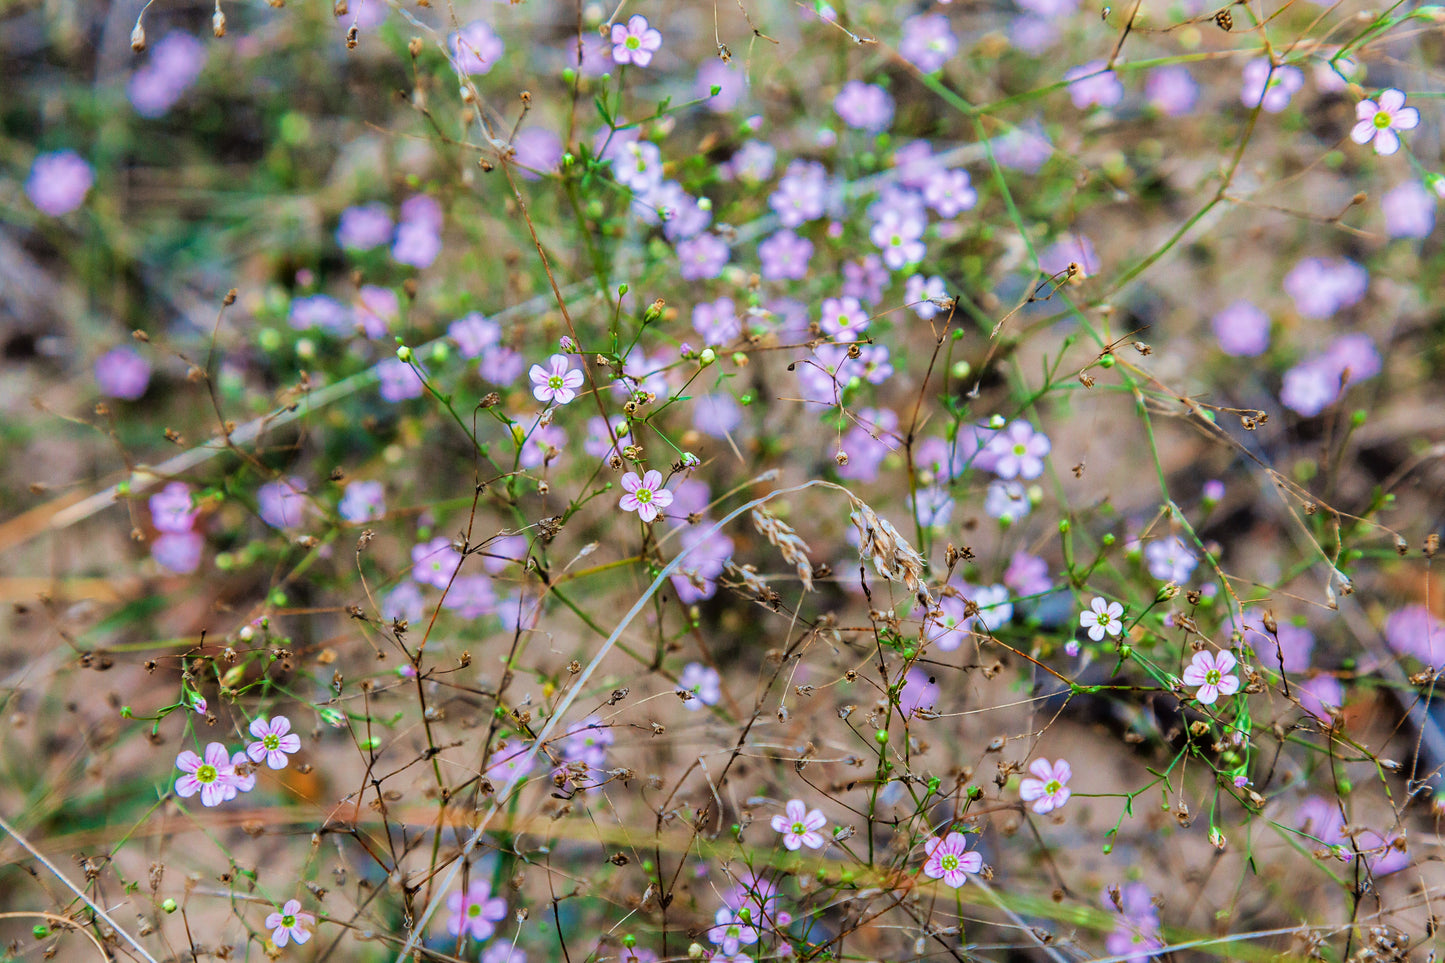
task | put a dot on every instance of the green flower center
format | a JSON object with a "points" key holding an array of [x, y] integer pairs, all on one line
{"points": [[207, 773], [1051, 787], [1212, 677], [1021, 449], [799, 829], [1382, 119], [949, 862], [272, 743], [633, 43], [474, 910], [643, 495], [554, 382], [288, 921]]}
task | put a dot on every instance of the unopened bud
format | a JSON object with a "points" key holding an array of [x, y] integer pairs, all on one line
{"points": [[138, 37], [218, 23]]}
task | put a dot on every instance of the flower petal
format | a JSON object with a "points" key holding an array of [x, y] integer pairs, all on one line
{"points": [[1391, 100], [1387, 142]]}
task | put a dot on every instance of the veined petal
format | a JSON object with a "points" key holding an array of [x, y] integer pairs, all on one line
{"points": [[1391, 100]]}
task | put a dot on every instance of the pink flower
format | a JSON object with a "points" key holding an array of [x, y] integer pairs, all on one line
{"points": [[1019, 451], [475, 48], [949, 861], [636, 42], [800, 826], [435, 562], [731, 932], [290, 924], [1047, 792], [474, 913], [58, 182], [645, 495], [1211, 673], [1103, 616], [1379, 121], [212, 776], [560, 384], [274, 740]]}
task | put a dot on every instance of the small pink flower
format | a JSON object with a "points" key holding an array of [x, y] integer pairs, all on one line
{"points": [[290, 924], [1379, 121], [212, 776], [1103, 617], [475, 912], [645, 495], [636, 42], [800, 827], [274, 739], [732, 931], [1048, 791], [560, 384], [1211, 673], [949, 860]]}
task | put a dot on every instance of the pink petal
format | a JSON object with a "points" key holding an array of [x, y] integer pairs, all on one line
{"points": [[1030, 789], [1366, 110], [1386, 142], [653, 480], [1225, 662], [1407, 118], [290, 743], [538, 374], [815, 820], [631, 483], [1207, 694], [1391, 100], [637, 25], [1042, 769], [188, 761], [1228, 685], [1362, 132], [971, 862], [1193, 674], [780, 824]]}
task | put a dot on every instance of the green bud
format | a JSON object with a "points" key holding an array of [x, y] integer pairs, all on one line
{"points": [[881, 736], [1358, 416], [125, 713], [1107, 361], [169, 905], [707, 357], [403, 354], [622, 289], [569, 75], [740, 359], [1064, 526], [332, 716], [1108, 539], [715, 89], [40, 931], [974, 792], [629, 941]]}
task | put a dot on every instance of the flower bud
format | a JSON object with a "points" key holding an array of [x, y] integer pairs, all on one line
{"points": [[218, 23], [138, 37]]}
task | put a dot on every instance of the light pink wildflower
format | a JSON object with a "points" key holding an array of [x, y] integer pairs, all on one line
{"points": [[1103, 616], [274, 740], [645, 495], [636, 42], [1046, 789], [212, 776], [1378, 121], [800, 826], [949, 860], [290, 925], [558, 384], [1211, 673]]}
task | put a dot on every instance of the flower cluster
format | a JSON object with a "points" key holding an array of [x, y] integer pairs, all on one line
{"points": [[218, 775]]}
